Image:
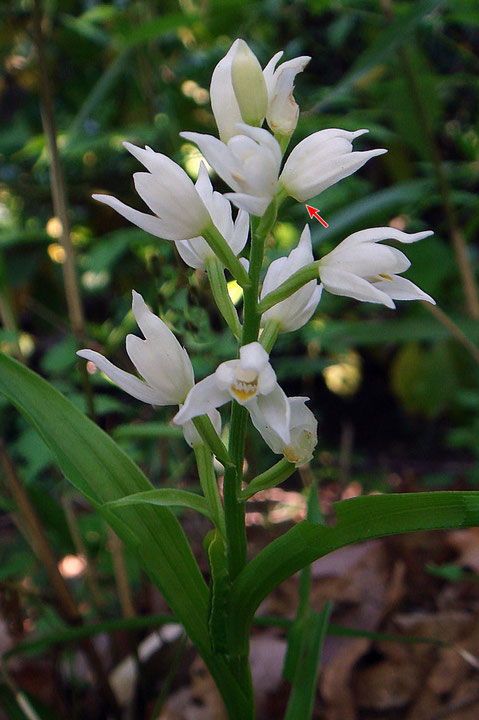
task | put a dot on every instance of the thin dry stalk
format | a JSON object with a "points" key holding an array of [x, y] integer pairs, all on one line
{"points": [[80, 548], [121, 576], [455, 234], [34, 534], [453, 329], [60, 205]]}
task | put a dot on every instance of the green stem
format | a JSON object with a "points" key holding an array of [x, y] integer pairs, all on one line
{"points": [[269, 335], [206, 473], [219, 288], [234, 505], [223, 251], [291, 285], [211, 439], [270, 478]]}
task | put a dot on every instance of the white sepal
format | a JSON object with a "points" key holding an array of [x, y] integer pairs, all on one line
{"points": [[196, 251], [283, 111], [192, 435], [295, 311], [159, 358], [179, 212], [321, 160], [223, 99], [361, 269], [303, 429]]}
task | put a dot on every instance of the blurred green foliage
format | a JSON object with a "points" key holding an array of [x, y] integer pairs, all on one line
{"points": [[140, 71]]}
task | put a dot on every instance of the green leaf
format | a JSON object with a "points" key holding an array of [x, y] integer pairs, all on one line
{"points": [[102, 472], [165, 498], [312, 630], [359, 519]]}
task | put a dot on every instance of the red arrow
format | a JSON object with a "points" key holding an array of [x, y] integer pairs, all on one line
{"points": [[314, 213]]}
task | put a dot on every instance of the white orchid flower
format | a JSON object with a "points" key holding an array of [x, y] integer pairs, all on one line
{"points": [[283, 111], [303, 428], [161, 361], [179, 210], [249, 163], [196, 251], [297, 309], [361, 269], [280, 109], [321, 160], [251, 381]]}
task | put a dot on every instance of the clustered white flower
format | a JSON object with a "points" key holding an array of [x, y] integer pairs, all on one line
{"points": [[248, 158]]}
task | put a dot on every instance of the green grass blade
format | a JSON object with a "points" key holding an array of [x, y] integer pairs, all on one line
{"points": [[312, 631]]}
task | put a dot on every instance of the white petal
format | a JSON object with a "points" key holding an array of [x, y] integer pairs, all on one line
{"points": [[275, 411], [249, 203], [271, 438], [253, 357], [268, 72], [225, 374], [263, 138], [240, 232], [146, 222], [194, 252], [216, 153], [339, 282], [202, 398], [400, 288], [126, 381], [223, 99]]}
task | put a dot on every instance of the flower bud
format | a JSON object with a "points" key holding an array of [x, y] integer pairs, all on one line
{"points": [[249, 85]]}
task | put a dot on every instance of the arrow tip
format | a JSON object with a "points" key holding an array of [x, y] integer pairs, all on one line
{"points": [[311, 210]]}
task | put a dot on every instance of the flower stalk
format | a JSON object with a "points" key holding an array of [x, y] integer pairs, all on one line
{"points": [[291, 285], [209, 485], [223, 251], [219, 288]]}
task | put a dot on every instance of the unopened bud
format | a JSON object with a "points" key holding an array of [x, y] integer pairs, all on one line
{"points": [[249, 85]]}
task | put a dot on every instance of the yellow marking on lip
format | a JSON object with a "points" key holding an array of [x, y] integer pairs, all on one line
{"points": [[243, 394], [386, 277]]}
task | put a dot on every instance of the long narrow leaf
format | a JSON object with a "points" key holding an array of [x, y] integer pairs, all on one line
{"points": [[359, 519], [165, 498], [102, 472]]}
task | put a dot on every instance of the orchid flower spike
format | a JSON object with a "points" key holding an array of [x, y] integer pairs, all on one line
{"points": [[361, 269], [160, 360], [303, 428], [321, 160], [251, 381], [249, 164], [297, 309], [240, 93]]}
